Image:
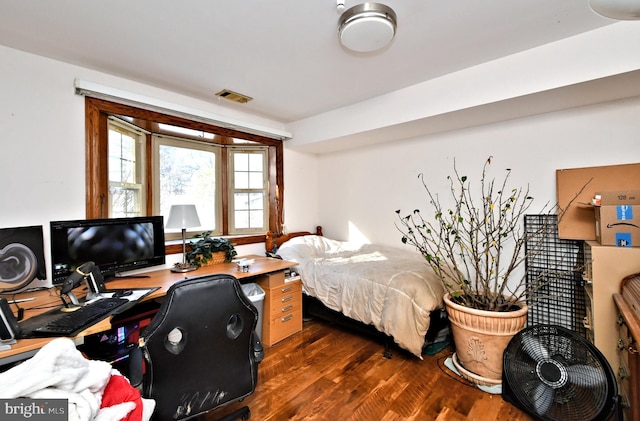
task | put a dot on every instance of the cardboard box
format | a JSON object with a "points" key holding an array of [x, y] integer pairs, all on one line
{"points": [[576, 185], [618, 225]]}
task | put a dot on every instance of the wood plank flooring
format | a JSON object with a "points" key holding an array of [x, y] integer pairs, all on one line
{"points": [[328, 373]]}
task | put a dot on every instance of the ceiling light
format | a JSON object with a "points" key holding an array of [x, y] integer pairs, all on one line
{"points": [[367, 27], [617, 9]]}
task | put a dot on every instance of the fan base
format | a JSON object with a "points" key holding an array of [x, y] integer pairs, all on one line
{"points": [[472, 377]]}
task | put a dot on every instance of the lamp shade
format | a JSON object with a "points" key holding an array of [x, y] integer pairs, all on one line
{"points": [[617, 9], [183, 216]]}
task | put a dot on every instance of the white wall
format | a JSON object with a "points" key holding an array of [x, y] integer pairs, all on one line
{"points": [[42, 152], [360, 189], [42, 155]]}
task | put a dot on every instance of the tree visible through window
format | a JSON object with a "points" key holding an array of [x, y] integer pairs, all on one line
{"points": [[188, 173]]}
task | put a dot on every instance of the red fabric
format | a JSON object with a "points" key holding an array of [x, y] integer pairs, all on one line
{"points": [[119, 390]]}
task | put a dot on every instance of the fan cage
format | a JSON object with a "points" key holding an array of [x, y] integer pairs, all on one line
{"points": [[558, 263], [590, 391]]}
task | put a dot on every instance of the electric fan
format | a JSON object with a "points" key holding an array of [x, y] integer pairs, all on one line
{"points": [[553, 373]]}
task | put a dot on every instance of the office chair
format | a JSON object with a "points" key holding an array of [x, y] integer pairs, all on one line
{"points": [[199, 351]]}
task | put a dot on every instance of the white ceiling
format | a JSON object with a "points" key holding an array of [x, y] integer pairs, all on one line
{"points": [[283, 53]]}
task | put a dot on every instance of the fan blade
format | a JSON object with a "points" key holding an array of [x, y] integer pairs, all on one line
{"points": [[542, 398], [533, 348], [586, 375]]}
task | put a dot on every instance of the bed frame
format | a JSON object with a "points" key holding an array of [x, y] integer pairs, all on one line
{"points": [[437, 336], [273, 240]]}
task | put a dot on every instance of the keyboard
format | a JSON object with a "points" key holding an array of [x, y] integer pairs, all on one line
{"points": [[73, 322]]}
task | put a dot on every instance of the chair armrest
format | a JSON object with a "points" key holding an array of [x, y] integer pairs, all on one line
{"points": [[135, 367]]}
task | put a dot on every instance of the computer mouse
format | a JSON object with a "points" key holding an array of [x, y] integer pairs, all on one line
{"points": [[123, 293]]}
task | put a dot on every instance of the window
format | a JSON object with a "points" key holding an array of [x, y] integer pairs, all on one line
{"points": [[235, 175], [188, 172], [249, 212], [126, 175]]}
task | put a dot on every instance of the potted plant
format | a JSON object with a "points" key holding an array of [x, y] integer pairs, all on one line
{"points": [[206, 249], [476, 245]]}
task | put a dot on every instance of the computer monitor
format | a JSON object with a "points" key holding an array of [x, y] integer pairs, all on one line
{"points": [[115, 245]]}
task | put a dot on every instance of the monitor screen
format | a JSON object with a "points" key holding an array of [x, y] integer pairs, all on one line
{"points": [[115, 245]]}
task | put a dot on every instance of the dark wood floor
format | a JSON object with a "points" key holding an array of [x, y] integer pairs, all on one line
{"points": [[327, 373]]}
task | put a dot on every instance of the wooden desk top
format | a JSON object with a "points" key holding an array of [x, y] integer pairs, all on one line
{"points": [[47, 299]]}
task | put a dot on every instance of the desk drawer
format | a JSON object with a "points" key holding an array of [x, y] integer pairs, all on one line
{"points": [[289, 289], [285, 305], [285, 325]]}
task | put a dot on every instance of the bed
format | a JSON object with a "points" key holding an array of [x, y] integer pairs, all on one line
{"points": [[387, 288]]}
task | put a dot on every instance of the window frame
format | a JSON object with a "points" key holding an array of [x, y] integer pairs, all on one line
{"points": [[97, 112]]}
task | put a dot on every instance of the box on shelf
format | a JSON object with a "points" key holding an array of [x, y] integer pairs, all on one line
{"points": [[618, 218]]}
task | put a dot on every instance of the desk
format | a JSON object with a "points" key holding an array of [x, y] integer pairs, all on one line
{"points": [[163, 279]]}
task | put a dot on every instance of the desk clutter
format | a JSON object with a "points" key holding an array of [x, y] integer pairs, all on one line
{"points": [[59, 322]]}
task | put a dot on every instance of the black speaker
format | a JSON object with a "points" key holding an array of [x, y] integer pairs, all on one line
{"points": [[9, 327]]}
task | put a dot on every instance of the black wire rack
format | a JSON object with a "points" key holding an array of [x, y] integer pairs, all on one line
{"points": [[556, 266]]}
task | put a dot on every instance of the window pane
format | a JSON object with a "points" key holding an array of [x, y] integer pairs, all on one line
{"points": [[241, 161], [125, 202], [256, 180], [241, 201], [241, 180], [188, 176], [255, 219], [255, 201], [241, 219], [255, 162]]}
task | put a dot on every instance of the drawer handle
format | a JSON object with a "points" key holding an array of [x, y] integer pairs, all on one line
{"points": [[286, 318], [287, 308], [620, 321], [631, 349], [621, 344], [287, 288], [287, 298]]}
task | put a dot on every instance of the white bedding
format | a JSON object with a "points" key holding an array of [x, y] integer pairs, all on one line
{"points": [[390, 288]]}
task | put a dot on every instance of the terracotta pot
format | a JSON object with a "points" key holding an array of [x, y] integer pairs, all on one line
{"points": [[481, 337]]}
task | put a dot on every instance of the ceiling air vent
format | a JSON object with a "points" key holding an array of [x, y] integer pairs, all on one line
{"points": [[233, 96]]}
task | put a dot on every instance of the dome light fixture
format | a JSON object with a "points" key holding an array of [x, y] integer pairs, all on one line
{"points": [[617, 9], [367, 27]]}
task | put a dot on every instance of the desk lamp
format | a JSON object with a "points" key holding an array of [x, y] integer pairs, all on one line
{"points": [[183, 217]]}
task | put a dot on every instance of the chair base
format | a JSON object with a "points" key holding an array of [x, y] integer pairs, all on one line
{"points": [[243, 413]]}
